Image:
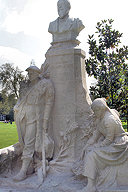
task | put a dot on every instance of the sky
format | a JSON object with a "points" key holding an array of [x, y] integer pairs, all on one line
{"points": [[24, 26]]}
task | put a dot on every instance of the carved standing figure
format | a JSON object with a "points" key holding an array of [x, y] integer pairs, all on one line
{"points": [[65, 28], [32, 113], [102, 157]]}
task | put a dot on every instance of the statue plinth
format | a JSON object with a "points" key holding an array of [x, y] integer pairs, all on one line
{"points": [[72, 101]]}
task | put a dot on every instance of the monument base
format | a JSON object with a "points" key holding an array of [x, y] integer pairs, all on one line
{"points": [[55, 182]]}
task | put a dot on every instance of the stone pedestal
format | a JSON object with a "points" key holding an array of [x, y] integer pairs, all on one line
{"points": [[72, 101]]}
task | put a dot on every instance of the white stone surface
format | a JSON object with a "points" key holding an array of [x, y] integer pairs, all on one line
{"points": [[72, 101], [91, 148], [65, 28], [9, 157], [32, 113], [105, 155], [55, 182]]}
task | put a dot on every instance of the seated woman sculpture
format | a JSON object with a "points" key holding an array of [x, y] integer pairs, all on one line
{"points": [[100, 157]]}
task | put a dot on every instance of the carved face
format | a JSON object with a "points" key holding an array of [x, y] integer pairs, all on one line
{"points": [[32, 75], [63, 9], [97, 112], [99, 107]]}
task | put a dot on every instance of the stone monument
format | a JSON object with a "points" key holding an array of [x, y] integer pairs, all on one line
{"points": [[67, 71], [67, 143]]}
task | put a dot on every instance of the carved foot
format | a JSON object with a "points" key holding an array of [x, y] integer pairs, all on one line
{"points": [[20, 176]]}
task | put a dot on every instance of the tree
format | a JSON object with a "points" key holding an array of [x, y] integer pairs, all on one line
{"points": [[108, 64], [4, 107], [7, 103], [10, 78]]}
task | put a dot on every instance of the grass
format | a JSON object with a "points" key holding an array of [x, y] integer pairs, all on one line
{"points": [[8, 134], [124, 125]]}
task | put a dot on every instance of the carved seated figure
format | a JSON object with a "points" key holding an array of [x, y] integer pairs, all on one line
{"points": [[103, 159]]}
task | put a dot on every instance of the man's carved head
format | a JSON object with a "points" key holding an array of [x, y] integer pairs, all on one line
{"points": [[33, 72], [64, 7]]}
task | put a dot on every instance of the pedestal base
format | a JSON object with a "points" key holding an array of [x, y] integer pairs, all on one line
{"points": [[55, 182]]}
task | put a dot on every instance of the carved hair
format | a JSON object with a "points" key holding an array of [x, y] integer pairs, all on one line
{"points": [[99, 104], [66, 2]]}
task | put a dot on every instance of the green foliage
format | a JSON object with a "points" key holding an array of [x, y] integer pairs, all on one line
{"points": [[8, 134], [108, 64], [10, 78], [4, 107], [124, 124], [7, 103]]}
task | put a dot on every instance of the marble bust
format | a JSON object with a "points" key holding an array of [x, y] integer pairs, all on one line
{"points": [[65, 28]]}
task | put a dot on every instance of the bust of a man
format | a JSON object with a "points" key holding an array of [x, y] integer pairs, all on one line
{"points": [[65, 28]]}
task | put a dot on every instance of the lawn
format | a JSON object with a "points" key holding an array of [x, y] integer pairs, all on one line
{"points": [[8, 134]]}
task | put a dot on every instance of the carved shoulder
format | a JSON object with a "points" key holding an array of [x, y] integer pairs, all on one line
{"points": [[109, 121], [46, 86], [79, 24], [53, 26]]}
